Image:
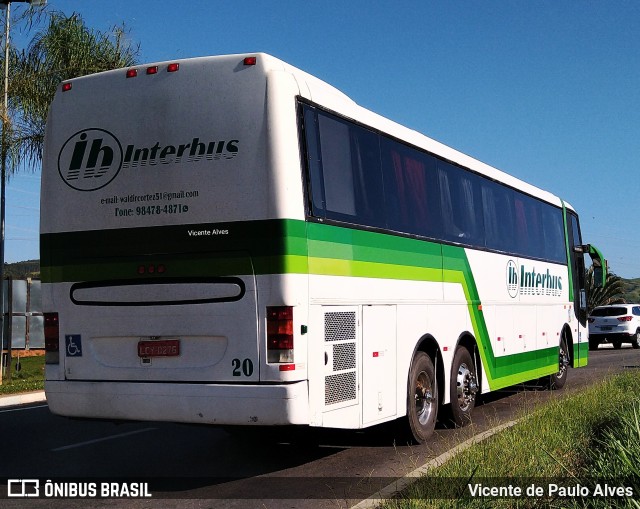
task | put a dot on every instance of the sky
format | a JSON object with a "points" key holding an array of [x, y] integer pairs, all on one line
{"points": [[546, 90]]}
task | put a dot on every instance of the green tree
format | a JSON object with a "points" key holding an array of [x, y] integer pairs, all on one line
{"points": [[65, 48], [611, 293]]}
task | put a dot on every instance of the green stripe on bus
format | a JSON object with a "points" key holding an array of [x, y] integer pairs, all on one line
{"points": [[341, 246], [281, 247]]}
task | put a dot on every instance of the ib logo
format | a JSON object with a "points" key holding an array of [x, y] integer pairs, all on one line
{"points": [[512, 279], [90, 159]]}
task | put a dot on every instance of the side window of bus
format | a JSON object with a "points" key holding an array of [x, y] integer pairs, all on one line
{"points": [[461, 204], [529, 240], [345, 177], [336, 156], [411, 190], [553, 235], [367, 176], [316, 188], [497, 204]]}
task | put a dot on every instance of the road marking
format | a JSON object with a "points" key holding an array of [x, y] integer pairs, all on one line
{"points": [[389, 491], [103, 439], [20, 409]]}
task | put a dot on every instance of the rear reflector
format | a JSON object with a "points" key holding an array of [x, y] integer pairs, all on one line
{"points": [[51, 338], [280, 334]]}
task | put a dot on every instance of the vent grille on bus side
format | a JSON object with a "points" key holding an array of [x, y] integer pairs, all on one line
{"points": [[339, 388], [344, 356], [340, 330], [340, 326]]}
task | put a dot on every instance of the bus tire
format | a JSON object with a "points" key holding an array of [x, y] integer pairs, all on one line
{"points": [[557, 380], [463, 387], [422, 398]]}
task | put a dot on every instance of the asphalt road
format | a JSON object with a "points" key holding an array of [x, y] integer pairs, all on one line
{"points": [[206, 467]]}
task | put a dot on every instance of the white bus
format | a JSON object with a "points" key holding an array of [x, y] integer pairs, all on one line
{"points": [[230, 240]]}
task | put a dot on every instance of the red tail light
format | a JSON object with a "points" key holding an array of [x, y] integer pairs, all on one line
{"points": [[51, 338], [280, 334], [625, 318]]}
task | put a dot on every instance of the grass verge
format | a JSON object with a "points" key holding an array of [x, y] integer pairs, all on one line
{"points": [[30, 377], [581, 451]]}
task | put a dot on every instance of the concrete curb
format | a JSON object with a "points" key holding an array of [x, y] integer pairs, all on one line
{"points": [[22, 398], [389, 491]]}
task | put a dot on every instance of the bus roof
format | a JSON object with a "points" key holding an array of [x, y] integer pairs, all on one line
{"points": [[328, 96]]}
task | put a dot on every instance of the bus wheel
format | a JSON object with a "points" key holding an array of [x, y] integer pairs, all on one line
{"points": [[463, 387], [422, 398], [557, 380]]}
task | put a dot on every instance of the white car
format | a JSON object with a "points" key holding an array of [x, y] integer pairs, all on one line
{"points": [[616, 324]]}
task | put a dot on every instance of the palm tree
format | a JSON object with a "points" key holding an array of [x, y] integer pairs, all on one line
{"points": [[64, 49], [611, 293]]}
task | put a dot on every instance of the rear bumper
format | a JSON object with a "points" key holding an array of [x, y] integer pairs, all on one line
{"points": [[190, 403], [609, 336]]}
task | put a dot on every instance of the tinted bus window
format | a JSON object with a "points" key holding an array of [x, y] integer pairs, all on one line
{"points": [[344, 170], [411, 190], [361, 177]]}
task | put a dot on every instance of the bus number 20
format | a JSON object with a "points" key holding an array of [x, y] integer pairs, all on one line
{"points": [[244, 367]]}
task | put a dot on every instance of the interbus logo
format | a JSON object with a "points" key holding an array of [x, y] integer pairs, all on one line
{"points": [[90, 159], [531, 282], [194, 151]]}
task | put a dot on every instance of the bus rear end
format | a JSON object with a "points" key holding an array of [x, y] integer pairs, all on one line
{"points": [[163, 242]]}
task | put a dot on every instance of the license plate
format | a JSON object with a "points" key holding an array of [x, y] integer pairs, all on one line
{"points": [[159, 348], [606, 328]]}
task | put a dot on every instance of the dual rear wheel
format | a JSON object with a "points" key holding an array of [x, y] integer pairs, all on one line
{"points": [[422, 396]]}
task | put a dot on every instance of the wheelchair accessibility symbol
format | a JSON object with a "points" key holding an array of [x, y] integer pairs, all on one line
{"points": [[73, 343]]}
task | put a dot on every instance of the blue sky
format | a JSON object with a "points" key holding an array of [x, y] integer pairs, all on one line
{"points": [[548, 91]]}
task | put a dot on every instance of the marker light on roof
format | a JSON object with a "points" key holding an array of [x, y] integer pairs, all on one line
{"points": [[173, 67], [152, 70], [152, 269], [132, 73], [250, 60], [66, 87]]}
